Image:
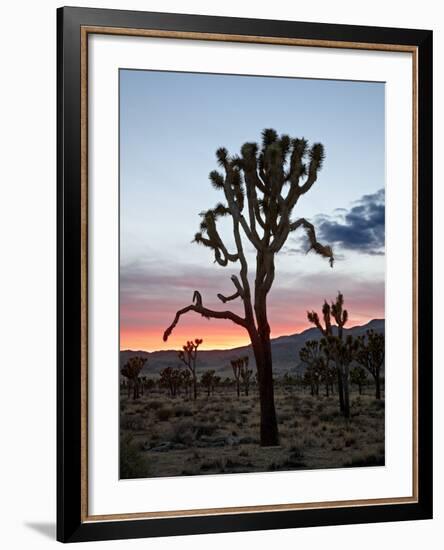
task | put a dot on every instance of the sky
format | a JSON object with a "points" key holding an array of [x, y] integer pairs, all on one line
{"points": [[171, 124]]}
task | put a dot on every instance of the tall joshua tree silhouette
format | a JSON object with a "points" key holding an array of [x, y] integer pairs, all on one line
{"points": [[261, 188]]}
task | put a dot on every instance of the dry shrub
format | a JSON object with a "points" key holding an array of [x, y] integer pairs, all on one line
{"points": [[164, 414]]}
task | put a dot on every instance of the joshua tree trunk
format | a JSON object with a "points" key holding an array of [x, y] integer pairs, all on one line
{"points": [[346, 391], [262, 352], [269, 427], [340, 390], [378, 386], [194, 386], [371, 356], [135, 389]]}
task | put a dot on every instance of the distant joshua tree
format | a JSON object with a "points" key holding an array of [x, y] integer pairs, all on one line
{"points": [[242, 374], [236, 366], [246, 375], [310, 354], [171, 379], [333, 347], [186, 381], [358, 376], [261, 188], [188, 356], [131, 371], [371, 355], [344, 350], [209, 380]]}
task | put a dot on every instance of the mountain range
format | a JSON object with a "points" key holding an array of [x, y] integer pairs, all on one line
{"points": [[285, 350]]}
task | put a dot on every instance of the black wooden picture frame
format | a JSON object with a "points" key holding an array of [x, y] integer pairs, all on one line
{"points": [[73, 523]]}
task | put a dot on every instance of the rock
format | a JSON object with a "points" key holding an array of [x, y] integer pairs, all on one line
{"points": [[162, 448], [219, 441], [167, 446]]}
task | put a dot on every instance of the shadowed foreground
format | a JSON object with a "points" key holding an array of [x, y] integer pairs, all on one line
{"points": [[163, 436]]}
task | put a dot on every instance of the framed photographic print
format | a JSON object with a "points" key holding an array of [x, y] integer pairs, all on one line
{"points": [[245, 274]]}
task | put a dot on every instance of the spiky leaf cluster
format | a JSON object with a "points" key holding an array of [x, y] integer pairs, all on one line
{"points": [[133, 367], [371, 351], [262, 186], [334, 309]]}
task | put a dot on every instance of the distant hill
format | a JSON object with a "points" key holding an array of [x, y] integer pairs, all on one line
{"points": [[285, 351]]}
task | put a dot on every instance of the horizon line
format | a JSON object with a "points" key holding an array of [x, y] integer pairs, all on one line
{"points": [[248, 345]]}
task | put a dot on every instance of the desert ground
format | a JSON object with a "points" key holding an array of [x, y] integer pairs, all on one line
{"points": [[164, 436]]}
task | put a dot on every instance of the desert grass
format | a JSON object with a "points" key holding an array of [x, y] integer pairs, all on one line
{"points": [[163, 436]]}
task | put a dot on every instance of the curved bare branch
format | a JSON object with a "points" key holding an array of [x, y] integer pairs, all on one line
{"points": [[226, 299], [198, 307], [323, 250], [239, 291]]}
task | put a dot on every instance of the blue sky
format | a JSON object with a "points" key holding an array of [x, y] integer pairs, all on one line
{"points": [[170, 127]]}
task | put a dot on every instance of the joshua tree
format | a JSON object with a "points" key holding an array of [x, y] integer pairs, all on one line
{"points": [[331, 349], [142, 384], [216, 381], [246, 374], [345, 352], [328, 373], [188, 356], [241, 373], [312, 378], [371, 355], [209, 380], [310, 354], [236, 365], [261, 188], [171, 379], [358, 376], [131, 371], [186, 381], [330, 378]]}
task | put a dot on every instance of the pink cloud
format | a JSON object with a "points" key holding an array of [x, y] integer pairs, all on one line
{"points": [[150, 297]]}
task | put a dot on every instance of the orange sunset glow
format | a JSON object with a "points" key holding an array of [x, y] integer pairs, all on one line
{"points": [[215, 335], [138, 339]]}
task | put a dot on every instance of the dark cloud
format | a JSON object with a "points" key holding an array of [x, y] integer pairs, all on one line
{"points": [[361, 228]]}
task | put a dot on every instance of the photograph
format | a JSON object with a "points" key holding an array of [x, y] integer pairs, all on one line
{"points": [[252, 273]]}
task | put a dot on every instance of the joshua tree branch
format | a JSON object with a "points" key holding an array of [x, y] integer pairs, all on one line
{"points": [[322, 250], [221, 254], [251, 180], [220, 247], [205, 312], [237, 284], [252, 236], [239, 291], [226, 299], [318, 325], [309, 182]]}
